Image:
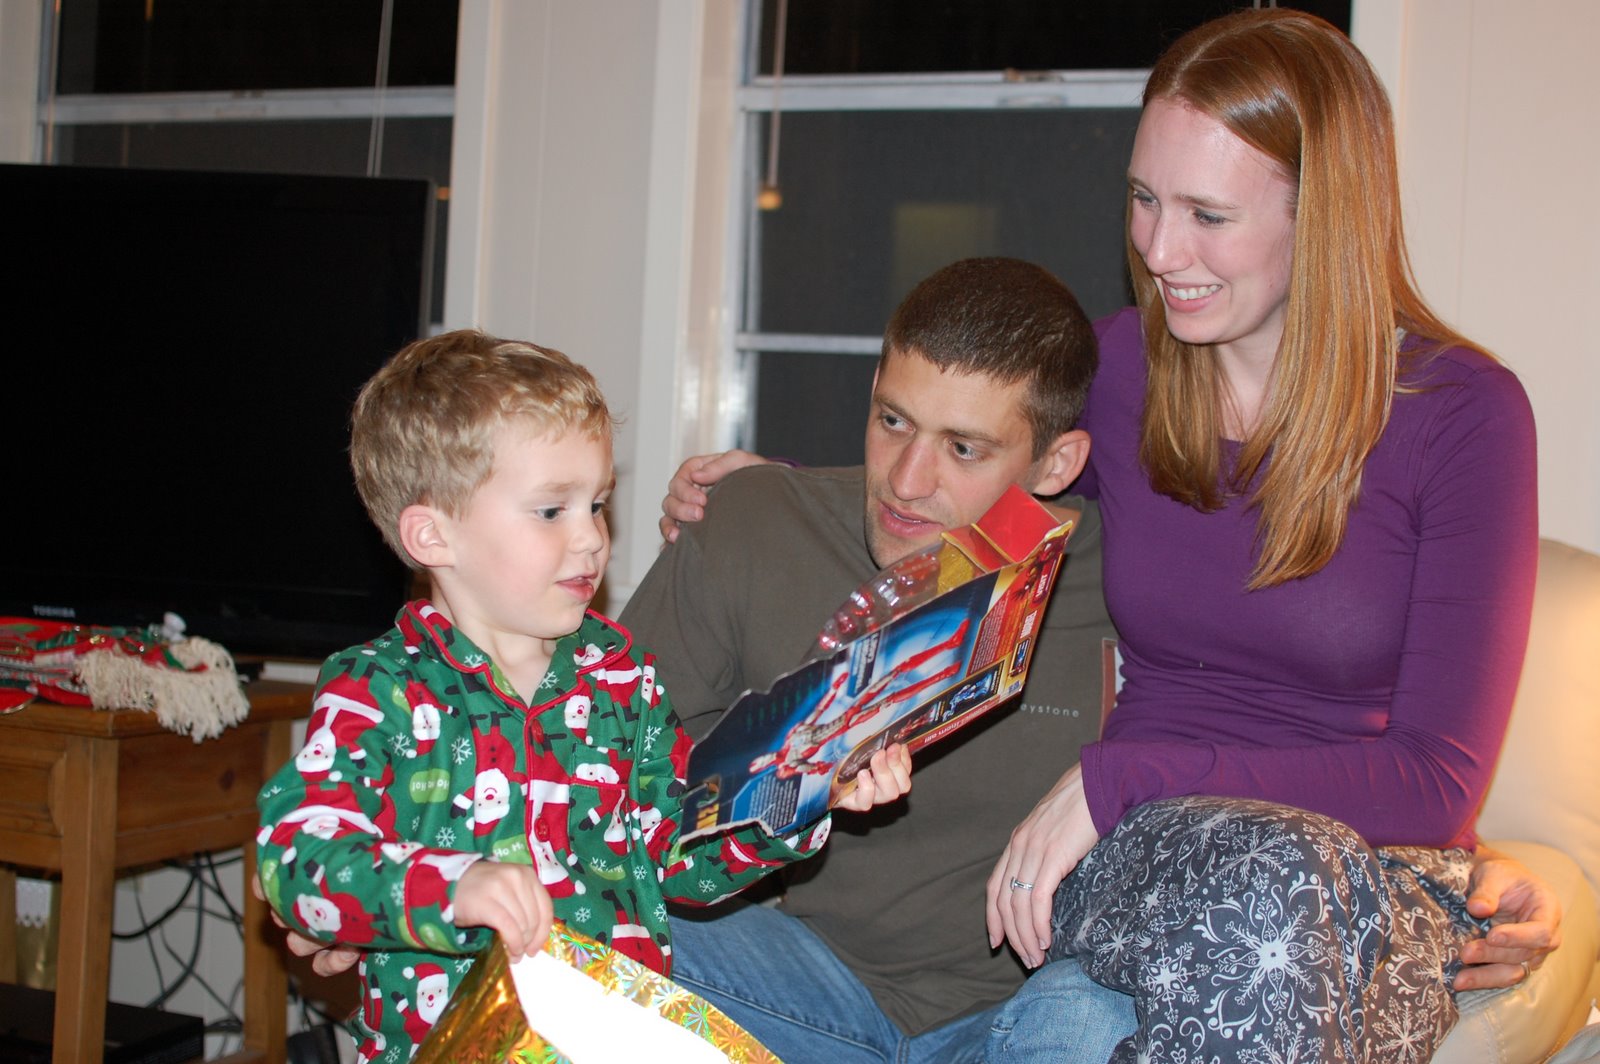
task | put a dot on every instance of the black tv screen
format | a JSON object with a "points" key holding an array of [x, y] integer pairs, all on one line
{"points": [[187, 347]]}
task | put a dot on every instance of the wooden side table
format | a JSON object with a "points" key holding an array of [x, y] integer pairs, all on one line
{"points": [[89, 793]]}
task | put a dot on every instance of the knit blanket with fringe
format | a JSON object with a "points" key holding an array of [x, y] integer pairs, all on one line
{"points": [[188, 683]]}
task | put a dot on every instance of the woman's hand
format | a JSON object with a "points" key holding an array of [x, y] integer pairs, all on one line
{"points": [[1527, 922], [686, 496], [1046, 846], [884, 779]]}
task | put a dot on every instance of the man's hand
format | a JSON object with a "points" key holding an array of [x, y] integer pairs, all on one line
{"points": [[1527, 922], [686, 496], [508, 898], [886, 777], [1044, 848], [326, 960]]}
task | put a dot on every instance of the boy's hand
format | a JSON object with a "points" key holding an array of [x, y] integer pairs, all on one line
{"points": [[326, 960], [886, 778], [508, 898]]}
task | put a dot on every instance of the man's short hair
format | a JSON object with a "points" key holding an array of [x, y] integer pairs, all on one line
{"points": [[1009, 320], [424, 426]]}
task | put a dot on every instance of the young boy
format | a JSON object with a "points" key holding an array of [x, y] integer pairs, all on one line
{"points": [[502, 756]]}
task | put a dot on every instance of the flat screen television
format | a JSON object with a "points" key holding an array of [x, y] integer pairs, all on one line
{"points": [[184, 350]]}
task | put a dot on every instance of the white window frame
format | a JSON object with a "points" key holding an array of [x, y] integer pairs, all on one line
{"points": [[429, 101], [155, 108], [734, 414]]}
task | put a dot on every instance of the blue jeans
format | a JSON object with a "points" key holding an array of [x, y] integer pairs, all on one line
{"points": [[782, 983]]}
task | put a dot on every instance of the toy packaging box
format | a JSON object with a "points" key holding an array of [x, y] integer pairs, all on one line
{"points": [[923, 649]]}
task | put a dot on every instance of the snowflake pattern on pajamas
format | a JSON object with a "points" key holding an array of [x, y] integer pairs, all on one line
{"points": [[1253, 932]]}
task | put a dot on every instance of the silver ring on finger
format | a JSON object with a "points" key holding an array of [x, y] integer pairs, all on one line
{"points": [[1017, 884], [1527, 969]]}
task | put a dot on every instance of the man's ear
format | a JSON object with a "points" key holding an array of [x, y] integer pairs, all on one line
{"points": [[423, 533], [1062, 463], [872, 395]]}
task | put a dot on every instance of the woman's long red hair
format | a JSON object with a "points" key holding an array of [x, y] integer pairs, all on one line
{"points": [[1295, 89]]}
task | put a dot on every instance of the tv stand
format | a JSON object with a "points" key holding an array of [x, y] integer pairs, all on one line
{"points": [[90, 793]]}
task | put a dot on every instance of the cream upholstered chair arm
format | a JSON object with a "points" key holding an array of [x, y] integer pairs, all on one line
{"points": [[1544, 809]]}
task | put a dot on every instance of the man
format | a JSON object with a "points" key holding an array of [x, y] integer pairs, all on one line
{"points": [[882, 951]]}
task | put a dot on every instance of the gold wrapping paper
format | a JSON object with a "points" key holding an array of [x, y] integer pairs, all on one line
{"points": [[484, 1022], [38, 931]]}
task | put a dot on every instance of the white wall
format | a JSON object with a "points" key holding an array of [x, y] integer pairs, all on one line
{"points": [[574, 177], [1499, 146]]}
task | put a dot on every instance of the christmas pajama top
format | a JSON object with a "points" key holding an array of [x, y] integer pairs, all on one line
{"points": [[420, 760]]}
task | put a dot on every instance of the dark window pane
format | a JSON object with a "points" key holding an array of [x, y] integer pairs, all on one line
{"points": [[873, 201], [908, 36], [118, 46], [412, 147], [813, 408]]}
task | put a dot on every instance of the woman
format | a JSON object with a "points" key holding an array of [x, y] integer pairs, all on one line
{"points": [[1320, 546]]}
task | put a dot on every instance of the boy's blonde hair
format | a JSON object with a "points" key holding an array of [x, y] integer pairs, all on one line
{"points": [[424, 425]]}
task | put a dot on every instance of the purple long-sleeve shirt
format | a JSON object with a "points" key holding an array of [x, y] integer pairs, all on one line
{"points": [[1376, 690]]}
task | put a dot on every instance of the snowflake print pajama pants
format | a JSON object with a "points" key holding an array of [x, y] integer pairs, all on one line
{"points": [[1253, 932]]}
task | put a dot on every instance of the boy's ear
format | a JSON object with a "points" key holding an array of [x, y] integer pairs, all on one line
{"points": [[1061, 464], [423, 533]]}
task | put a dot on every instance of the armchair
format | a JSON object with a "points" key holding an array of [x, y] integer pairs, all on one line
{"points": [[1544, 809]]}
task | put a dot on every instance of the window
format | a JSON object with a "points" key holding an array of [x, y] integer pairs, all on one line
{"points": [[922, 36], [266, 85], [143, 46], [913, 134]]}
